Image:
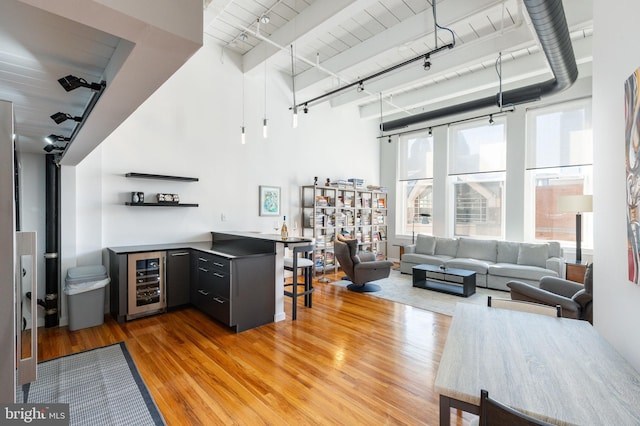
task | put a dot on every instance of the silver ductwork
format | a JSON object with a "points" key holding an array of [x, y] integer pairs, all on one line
{"points": [[549, 21]]}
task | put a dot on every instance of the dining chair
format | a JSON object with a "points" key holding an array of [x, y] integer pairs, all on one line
{"points": [[494, 413]]}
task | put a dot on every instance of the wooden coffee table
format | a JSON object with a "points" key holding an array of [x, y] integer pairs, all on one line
{"points": [[459, 282]]}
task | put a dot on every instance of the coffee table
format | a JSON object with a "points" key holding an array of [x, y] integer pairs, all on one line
{"points": [[459, 282]]}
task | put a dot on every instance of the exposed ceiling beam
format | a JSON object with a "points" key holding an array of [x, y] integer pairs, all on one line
{"points": [[411, 29], [462, 56], [319, 17]]}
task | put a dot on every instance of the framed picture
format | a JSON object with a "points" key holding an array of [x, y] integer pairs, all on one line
{"points": [[269, 200]]}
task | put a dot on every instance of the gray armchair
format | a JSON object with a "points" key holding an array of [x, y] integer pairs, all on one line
{"points": [[575, 299], [360, 267]]}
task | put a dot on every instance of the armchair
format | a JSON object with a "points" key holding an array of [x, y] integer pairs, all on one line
{"points": [[575, 299], [360, 267]]}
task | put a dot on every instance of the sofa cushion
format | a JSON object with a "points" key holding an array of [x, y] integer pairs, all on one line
{"points": [[533, 254], [446, 246], [469, 248], [524, 272], [424, 258], [555, 250], [425, 244], [508, 252], [475, 265]]}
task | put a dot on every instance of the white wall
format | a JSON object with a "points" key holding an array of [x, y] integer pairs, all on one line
{"points": [[191, 127], [616, 56]]}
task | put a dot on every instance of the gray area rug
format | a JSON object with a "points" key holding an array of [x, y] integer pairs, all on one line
{"points": [[399, 288], [102, 387]]}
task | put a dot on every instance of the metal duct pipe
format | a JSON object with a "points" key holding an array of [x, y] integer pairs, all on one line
{"points": [[549, 21]]}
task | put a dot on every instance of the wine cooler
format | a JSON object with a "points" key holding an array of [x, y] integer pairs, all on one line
{"points": [[146, 292]]}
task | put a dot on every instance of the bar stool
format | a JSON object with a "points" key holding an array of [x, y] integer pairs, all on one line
{"points": [[301, 260]]}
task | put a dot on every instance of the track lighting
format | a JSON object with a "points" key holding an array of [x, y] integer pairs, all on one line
{"points": [[56, 138], [490, 118], [430, 132], [294, 122], [72, 82], [50, 148], [427, 63], [243, 37], [265, 129], [61, 117], [360, 87], [389, 140], [243, 137], [305, 109], [265, 19]]}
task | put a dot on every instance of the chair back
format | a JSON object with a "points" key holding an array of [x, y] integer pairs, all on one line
{"points": [[343, 251], [520, 305], [493, 412]]}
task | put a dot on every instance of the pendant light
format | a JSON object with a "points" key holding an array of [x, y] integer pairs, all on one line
{"points": [[265, 128], [243, 139], [294, 122]]}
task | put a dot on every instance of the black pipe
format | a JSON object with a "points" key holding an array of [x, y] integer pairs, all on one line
{"points": [[550, 23], [52, 241]]}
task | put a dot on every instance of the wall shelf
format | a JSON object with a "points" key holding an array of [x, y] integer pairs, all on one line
{"points": [[162, 177], [160, 204]]}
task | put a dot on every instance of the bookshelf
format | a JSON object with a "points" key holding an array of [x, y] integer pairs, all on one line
{"points": [[354, 212]]}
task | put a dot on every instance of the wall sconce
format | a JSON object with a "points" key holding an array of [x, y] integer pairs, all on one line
{"points": [[71, 82], [61, 117]]}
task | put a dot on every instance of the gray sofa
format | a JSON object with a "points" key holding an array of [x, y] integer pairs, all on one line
{"points": [[495, 262]]}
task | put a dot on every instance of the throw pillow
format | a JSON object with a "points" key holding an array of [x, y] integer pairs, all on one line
{"points": [[533, 254], [425, 244]]}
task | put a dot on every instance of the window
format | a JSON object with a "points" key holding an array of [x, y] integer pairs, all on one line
{"points": [[415, 175], [477, 163], [559, 162]]}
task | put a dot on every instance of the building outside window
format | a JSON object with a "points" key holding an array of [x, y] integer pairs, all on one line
{"points": [[415, 178], [477, 164], [559, 163]]}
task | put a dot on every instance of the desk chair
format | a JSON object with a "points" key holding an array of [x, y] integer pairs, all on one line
{"points": [[301, 260], [519, 305], [493, 412]]}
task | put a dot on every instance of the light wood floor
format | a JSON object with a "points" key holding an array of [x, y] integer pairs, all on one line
{"points": [[353, 359]]}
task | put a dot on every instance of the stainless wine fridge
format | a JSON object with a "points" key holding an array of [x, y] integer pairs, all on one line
{"points": [[146, 289]]}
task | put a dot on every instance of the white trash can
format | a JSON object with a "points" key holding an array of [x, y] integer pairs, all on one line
{"points": [[85, 287]]}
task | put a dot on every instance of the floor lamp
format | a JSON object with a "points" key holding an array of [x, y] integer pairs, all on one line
{"points": [[577, 204]]}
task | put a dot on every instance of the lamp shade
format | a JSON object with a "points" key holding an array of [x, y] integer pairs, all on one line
{"points": [[575, 203]]}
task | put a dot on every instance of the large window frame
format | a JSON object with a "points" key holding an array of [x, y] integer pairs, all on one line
{"points": [[477, 178], [559, 162], [415, 183]]}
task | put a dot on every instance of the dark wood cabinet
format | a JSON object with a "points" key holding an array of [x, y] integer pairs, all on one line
{"points": [[575, 271], [178, 273], [237, 291]]}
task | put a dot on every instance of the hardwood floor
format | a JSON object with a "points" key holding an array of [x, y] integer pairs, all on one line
{"points": [[352, 359]]}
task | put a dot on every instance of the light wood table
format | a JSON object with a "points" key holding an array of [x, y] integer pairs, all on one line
{"points": [[555, 369]]}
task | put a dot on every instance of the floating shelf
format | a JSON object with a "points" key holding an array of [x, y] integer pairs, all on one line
{"points": [[163, 177], [160, 204]]}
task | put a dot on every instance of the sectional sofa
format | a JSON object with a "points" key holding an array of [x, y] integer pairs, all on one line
{"points": [[495, 262]]}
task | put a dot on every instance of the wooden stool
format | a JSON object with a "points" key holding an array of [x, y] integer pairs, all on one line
{"points": [[302, 255]]}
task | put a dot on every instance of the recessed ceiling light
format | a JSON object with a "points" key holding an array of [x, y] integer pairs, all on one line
{"points": [[265, 19]]}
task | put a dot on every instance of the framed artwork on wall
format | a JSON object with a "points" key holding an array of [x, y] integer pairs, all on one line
{"points": [[632, 157], [269, 200]]}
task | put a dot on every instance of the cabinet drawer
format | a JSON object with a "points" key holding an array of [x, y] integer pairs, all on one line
{"points": [[213, 262], [219, 308], [221, 283]]}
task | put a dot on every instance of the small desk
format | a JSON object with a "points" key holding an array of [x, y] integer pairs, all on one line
{"points": [[555, 369]]}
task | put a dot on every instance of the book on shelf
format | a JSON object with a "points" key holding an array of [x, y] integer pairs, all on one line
{"points": [[382, 203], [321, 200]]}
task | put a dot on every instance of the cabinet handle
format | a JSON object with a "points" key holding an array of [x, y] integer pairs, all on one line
{"points": [[202, 292], [182, 253], [204, 270], [219, 265], [218, 275], [217, 299], [202, 259]]}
